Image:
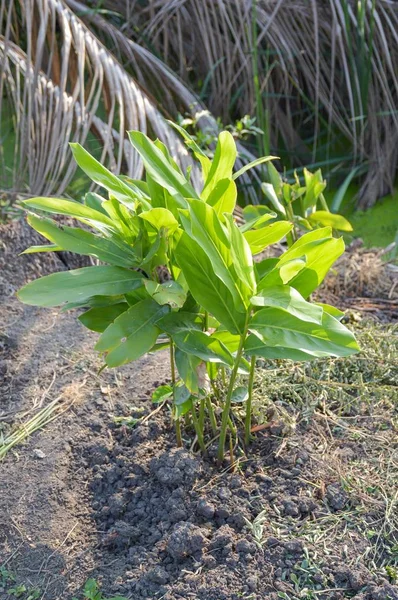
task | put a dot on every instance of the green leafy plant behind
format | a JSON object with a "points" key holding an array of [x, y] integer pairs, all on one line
{"points": [[180, 273], [302, 204]]}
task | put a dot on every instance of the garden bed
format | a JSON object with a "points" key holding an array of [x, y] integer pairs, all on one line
{"points": [[311, 512]]}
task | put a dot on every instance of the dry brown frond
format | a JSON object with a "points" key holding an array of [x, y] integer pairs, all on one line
{"points": [[67, 87], [324, 67]]}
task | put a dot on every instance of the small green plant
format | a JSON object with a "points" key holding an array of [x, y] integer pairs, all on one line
{"points": [[217, 310], [91, 591], [206, 136], [299, 203], [5, 576]]}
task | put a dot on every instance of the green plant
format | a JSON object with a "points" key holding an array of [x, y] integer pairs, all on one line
{"points": [[218, 310], [91, 591], [299, 203], [206, 135], [5, 575]]}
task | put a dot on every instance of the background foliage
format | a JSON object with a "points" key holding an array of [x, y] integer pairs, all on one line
{"points": [[320, 76]]}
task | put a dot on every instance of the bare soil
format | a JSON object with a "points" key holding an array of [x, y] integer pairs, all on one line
{"points": [[311, 513]]}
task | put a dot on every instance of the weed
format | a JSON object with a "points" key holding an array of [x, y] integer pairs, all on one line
{"points": [[91, 591]]}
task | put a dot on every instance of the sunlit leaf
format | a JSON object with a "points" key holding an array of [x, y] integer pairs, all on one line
{"points": [[132, 334], [79, 285]]}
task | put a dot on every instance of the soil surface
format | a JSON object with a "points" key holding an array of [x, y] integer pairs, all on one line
{"points": [[91, 496]]}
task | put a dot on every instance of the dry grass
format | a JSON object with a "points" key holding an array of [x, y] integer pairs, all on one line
{"points": [[326, 72], [364, 282], [348, 411]]}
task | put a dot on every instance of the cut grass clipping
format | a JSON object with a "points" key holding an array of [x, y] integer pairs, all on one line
{"points": [[24, 430]]}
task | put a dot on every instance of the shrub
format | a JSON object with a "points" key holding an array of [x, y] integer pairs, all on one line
{"points": [[218, 310]]}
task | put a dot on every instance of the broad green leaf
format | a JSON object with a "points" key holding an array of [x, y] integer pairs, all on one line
{"points": [[320, 255], [95, 302], [162, 393], [160, 217], [203, 226], [289, 299], [252, 164], [252, 212], [169, 292], [272, 196], [280, 328], [94, 200], [84, 242], [223, 197], [101, 176], [255, 346], [315, 185], [137, 183], [181, 393], [159, 168], [241, 255], [136, 295], [98, 319], [275, 178], [175, 322], [70, 208], [125, 220], [186, 366], [79, 285], [259, 239], [222, 163], [311, 236], [266, 266], [291, 268], [273, 274], [331, 310], [182, 409], [157, 253], [207, 289], [256, 216], [325, 218], [161, 198], [240, 394], [203, 346], [188, 338], [132, 334], [44, 248], [230, 340]]}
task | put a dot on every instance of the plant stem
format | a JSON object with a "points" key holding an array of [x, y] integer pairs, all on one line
{"points": [[323, 202], [231, 452], [227, 404], [290, 215], [173, 382], [212, 416], [248, 420], [199, 431], [202, 414]]}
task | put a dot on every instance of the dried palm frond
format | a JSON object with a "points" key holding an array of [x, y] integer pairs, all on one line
{"points": [[327, 72], [66, 86], [60, 83]]}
